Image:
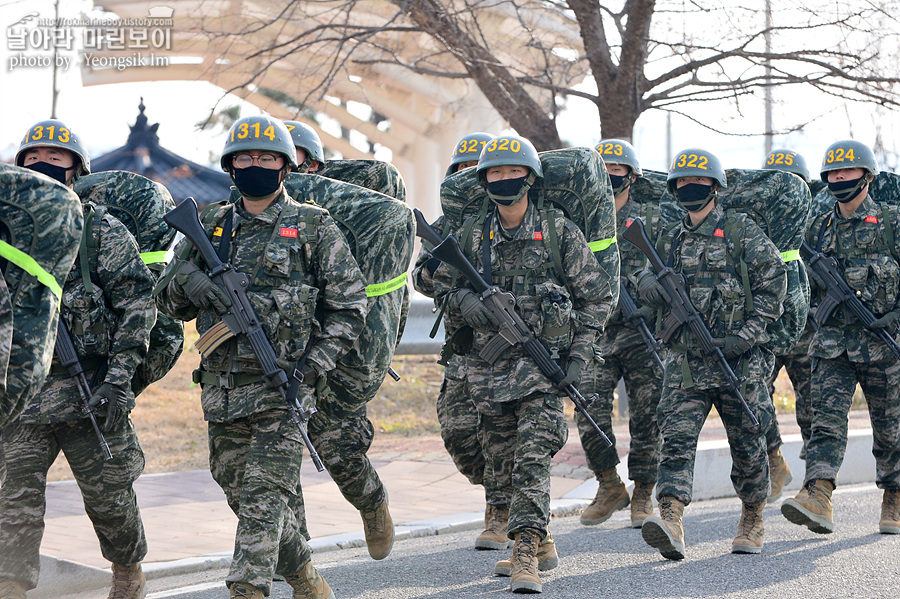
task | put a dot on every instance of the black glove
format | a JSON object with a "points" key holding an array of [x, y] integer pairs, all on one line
{"points": [[474, 312], [573, 373], [116, 400], [652, 293], [886, 321], [645, 312], [733, 346], [200, 289]]}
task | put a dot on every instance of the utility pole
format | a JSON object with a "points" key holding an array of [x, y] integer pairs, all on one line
{"points": [[55, 62], [768, 88]]}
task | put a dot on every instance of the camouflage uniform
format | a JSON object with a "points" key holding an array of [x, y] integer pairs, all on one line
{"points": [[625, 355], [844, 352], [691, 385], [798, 363], [114, 332], [297, 261], [521, 411]]}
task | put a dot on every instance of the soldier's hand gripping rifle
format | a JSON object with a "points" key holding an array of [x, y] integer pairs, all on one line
{"points": [[65, 351], [837, 292], [512, 329], [683, 312], [240, 319], [629, 309]]}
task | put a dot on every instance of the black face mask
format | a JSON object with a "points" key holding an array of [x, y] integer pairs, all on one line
{"points": [[846, 191], [256, 182], [508, 191], [51, 170], [619, 183], [694, 197]]}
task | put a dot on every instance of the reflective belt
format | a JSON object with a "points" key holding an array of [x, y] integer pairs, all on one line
{"points": [[790, 255], [599, 246], [29, 265], [154, 257], [381, 288]]}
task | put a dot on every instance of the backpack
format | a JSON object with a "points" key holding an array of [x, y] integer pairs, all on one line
{"points": [[377, 175], [40, 227], [139, 204]]}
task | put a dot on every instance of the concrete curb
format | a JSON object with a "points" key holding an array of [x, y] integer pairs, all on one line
{"points": [[711, 481]]}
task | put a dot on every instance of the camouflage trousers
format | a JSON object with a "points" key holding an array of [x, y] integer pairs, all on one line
{"points": [[458, 418], [681, 415], [833, 384], [643, 382], [256, 461], [106, 486], [798, 368], [520, 438]]}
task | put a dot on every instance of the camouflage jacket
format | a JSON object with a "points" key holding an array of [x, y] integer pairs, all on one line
{"points": [[567, 323], [112, 324], [862, 248], [304, 285], [704, 256]]}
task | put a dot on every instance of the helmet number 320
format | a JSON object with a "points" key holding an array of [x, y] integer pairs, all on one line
{"points": [[512, 145]]}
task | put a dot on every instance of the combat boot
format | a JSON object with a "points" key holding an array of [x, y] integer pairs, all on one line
{"points": [[666, 533], [749, 538], [890, 513], [779, 474], [641, 503], [611, 495], [813, 510], [494, 535], [524, 572], [242, 590], [128, 582], [309, 584], [379, 529], [11, 589], [546, 556]]}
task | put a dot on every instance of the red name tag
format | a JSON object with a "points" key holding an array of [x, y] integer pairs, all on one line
{"points": [[719, 233], [872, 219], [538, 236], [287, 232]]}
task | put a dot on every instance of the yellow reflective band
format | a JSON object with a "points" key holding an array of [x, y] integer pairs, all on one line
{"points": [[790, 255], [28, 264], [599, 246], [382, 288], [154, 257]]}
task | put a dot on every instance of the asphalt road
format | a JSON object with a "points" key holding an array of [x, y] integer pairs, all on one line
{"points": [[612, 560]]}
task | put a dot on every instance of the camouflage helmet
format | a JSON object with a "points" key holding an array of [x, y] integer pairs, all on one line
{"points": [[53, 133], [848, 153], [789, 161], [262, 133], [619, 151], [509, 150], [695, 162], [306, 138], [468, 148]]}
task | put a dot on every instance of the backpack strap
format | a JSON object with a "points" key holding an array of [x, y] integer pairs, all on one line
{"points": [[88, 247], [738, 256], [887, 213], [552, 244]]}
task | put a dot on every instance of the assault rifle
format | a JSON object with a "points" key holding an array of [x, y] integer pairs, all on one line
{"points": [[240, 319], [65, 351], [512, 329], [683, 311], [837, 292], [630, 313]]}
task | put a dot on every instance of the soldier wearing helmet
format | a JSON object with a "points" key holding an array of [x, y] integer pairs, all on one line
{"points": [[700, 249], [859, 232], [792, 161], [625, 356], [520, 410], [109, 311], [298, 265], [466, 151], [310, 155]]}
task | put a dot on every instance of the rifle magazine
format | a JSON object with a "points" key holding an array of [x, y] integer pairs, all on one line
{"points": [[213, 338]]}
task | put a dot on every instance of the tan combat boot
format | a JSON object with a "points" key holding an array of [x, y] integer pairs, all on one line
{"points": [[611, 495], [128, 582], [641, 503], [813, 510], [309, 584], [779, 474], [379, 529], [524, 573], [11, 589], [494, 535], [546, 556], [242, 590], [749, 538], [666, 533], [890, 513]]}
